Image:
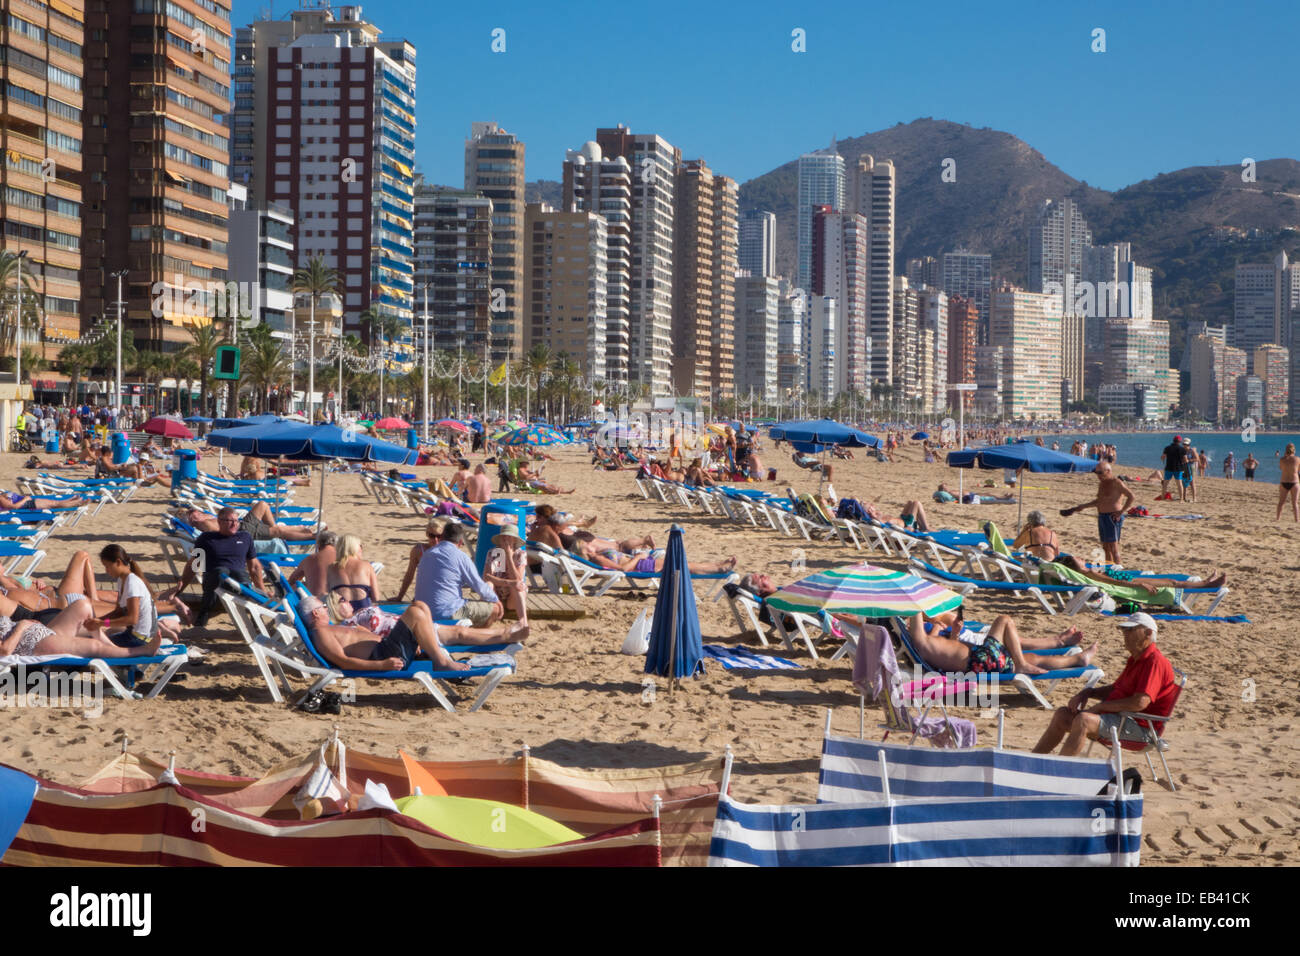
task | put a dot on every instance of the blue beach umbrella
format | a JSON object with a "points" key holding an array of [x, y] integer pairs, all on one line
{"points": [[534, 435], [1020, 457], [820, 434], [197, 420], [920, 436], [676, 647]]}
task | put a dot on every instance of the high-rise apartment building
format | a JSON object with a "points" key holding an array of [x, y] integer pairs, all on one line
{"points": [[839, 270], [652, 162], [970, 275], [1027, 326], [792, 355], [758, 312], [871, 190], [704, 281], [154, 159], [1072, 341], [1057, 244], [1214, 369], [325, 125], [933, 317], [566, 281], [1112, 286], [821, 183], [1266, 308], [41, 179], [925, 271], [1271, 364], [453, 259], [906, 360], [821, 328], [604, 186], [757, 243], [494, 166], [261, 260], [1136, 352], [963, 331], [988, 396]]}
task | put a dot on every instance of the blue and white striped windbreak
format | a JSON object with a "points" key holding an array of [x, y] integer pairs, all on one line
{"points": [[990, 831], [850, 772]]}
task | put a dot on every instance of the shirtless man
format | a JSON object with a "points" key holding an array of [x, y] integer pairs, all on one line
{"points": [[315, 567], [478, 488], [1001, 652], [1112, 502], [460, 480], [1287, 484], [356, 648], [1250, 464]]}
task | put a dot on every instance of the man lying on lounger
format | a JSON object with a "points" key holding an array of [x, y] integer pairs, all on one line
{"points": [[356, 648], [1146, 685], [12, 501], [1001, 652]]}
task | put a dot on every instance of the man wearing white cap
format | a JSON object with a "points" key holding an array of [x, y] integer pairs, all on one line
{"points": [[1146, 686]]}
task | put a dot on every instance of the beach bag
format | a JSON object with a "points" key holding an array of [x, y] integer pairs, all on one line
{"points": [[1139, 511]]}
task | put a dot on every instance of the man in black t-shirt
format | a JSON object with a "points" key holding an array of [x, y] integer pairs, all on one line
{"points": [[229, 550], [1174, 455]]}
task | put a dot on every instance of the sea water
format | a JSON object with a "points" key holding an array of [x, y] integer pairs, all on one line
{"points": [[1138, 453]]}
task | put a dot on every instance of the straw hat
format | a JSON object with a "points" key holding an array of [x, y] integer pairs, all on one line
{"points": [[507, 536]]}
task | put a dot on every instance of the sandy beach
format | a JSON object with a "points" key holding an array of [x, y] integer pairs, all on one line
{"points": [[577, 701]]}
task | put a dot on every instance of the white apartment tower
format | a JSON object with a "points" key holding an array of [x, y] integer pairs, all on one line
{"points": [[593, 183], [653, 163], [871, 191]]}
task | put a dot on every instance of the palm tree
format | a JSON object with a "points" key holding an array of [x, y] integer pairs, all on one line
{"points": [[202, 351], [538, 363], [149, 366], [385, 327], [9, 269], [315, 280], [75, 361], [267, 365], [184, 370]]}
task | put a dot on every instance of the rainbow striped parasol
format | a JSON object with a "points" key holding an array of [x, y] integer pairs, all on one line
{"points": [[866, 591]]}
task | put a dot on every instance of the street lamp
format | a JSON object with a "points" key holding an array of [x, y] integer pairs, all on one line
{"points": [[120, 319], [426, 361], [961, 391], [18, 330]]}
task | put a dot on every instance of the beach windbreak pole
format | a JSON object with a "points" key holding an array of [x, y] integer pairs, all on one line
{"points": [[676, 646]]}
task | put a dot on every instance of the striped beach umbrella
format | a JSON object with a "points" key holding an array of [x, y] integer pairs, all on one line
{"points": [[864, 590]]}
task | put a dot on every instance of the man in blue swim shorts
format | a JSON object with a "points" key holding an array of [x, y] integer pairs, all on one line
{"points": [[1113, 500]]}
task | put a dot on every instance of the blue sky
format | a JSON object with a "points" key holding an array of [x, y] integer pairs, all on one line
{"points": [[1180, 84]]}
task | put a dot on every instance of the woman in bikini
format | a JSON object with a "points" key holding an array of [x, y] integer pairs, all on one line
{"points": [[352, 577], [1039, 540], [73, 632], [646, 563]]}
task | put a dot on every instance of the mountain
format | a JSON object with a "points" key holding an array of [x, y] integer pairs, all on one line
{"points": [[1001, 181], [544, 190]]}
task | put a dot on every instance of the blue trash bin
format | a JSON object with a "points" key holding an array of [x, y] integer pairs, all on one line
{"points": [[52, 443], [486, 530], [121, 448], [412, 440], [185, 466]]}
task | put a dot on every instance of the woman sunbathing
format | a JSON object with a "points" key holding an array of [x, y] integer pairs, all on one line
{"points": [[536, 482], [352, 577], [381, 623], [78, 582], [74, 632], [645, 563]]}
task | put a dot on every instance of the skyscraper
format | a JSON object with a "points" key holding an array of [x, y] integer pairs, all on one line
{"points": [[1214, 368], [934, 317], [325, 115], [494, 166], [1113, 286], [925, 271], [871, 189], [907, 362], [839, 270], [970, 275], [40, 181], [963, 323], [1056, 247], [704, 279], [821, 183], [154, 157], [792, 356], [453, 256], [653, 163], [595, 184], [1027, 327], [757, 337], [566, 284], [757, 251], [1271, 365]]}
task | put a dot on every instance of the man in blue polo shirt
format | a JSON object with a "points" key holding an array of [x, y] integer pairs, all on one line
{"points": [[228, 549]]}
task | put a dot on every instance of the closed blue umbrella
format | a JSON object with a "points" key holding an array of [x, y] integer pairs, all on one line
{"points": [[676, 648]]}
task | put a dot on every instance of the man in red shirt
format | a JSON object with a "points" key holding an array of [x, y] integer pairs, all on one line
{"points": [[1146, 686]]}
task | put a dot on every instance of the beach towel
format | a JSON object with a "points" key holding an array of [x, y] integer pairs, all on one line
{"points": [[740, 658], [1163, 597], [852, 509], [1174, 517]]}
